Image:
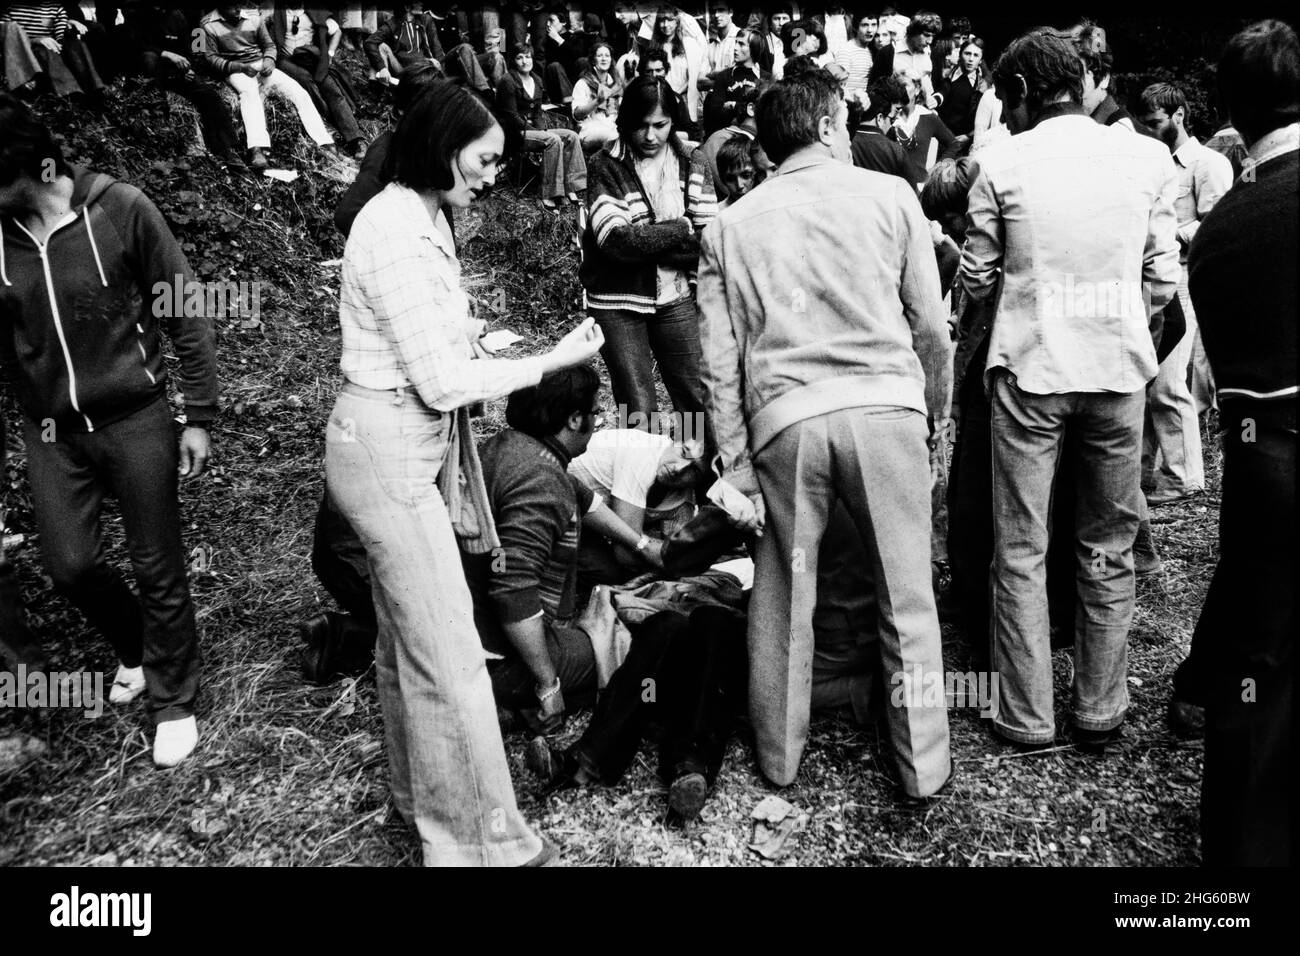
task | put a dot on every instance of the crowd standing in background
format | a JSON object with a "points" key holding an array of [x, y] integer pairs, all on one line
{"points": [[844, 241]]}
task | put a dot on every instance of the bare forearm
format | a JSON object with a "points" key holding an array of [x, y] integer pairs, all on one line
{"points": [[529, 639], [605, 522]]}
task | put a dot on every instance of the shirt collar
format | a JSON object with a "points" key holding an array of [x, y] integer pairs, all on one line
{"points": [[811, 159], [1285, 139], [1057, 111], [416, 213], [1185, 155]]}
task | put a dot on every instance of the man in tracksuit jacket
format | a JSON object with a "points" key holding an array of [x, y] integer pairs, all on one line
{"points": [[82, 261]]}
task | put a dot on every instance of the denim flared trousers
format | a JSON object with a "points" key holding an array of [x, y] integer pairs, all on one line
{"points": [[447, 763]]}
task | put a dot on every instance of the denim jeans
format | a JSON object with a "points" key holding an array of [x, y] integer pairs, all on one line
{"points": [[671, 338], [875, 461], [564, 164], [1028, 438], [447, 764], [134, 459]]}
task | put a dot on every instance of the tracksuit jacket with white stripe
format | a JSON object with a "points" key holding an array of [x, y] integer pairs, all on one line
{"points": [[79, 339]]}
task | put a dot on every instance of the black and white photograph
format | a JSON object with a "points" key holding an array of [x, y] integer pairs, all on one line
{"points": [[587, 434]]}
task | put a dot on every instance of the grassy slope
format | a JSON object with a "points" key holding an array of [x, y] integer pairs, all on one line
{"points": [[291, 774]]}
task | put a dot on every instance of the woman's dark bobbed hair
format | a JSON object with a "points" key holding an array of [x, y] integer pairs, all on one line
{"points": [[440, 123], [640, 99]]}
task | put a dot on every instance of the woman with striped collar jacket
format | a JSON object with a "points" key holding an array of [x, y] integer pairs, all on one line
{"points": [[649, 202]]}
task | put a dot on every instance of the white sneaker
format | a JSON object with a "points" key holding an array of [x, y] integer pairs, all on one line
{"points": [[174, 741], [128, 684]]}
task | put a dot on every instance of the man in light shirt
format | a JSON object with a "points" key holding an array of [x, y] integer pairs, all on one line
{"points": [[914, 56], [722, 37], [1077, 220], [1173, 430]]}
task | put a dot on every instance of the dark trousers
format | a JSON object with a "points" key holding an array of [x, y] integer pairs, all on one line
{"points": [[339, 559], [522, 28], [513, 684], [329, 97], [559, 85], [214, 116], [72, 71], [685, 673], [634, 343], [134, 459], [1243, 644], [462, 63]]}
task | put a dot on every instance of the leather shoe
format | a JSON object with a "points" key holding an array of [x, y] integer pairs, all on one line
{"points": [[1146, 560], [1095, 741], [687, 794]]}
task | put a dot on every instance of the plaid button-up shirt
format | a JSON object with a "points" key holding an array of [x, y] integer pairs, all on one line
{"points": [[406, 321]]}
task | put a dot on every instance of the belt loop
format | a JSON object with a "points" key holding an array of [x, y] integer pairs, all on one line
{"points": [[397, 399]]}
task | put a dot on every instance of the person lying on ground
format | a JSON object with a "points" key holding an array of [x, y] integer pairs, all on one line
{"points": [[648, 481]]}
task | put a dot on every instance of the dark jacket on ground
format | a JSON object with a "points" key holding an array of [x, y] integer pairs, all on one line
{"points": [[538, 509], [1242, 277], [79, 332], [624, 243]]}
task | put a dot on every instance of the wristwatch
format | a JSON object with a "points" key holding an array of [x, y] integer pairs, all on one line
{"points": [[644, 543]]}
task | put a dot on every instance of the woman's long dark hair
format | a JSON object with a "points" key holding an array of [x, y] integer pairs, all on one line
{"points": [[642, 97], [677, 46], [440, 123]]}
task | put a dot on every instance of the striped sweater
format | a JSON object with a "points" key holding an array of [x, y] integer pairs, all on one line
{"points": [[39, 20], [624, 243], [537, 508]]}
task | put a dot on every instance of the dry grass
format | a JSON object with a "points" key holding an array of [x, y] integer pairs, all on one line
{"points": [[293, 774]]}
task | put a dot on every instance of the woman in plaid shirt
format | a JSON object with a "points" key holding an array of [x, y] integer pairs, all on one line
{"points": [[401, 466]]}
